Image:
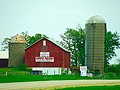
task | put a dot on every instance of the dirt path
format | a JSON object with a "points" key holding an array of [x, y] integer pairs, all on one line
{"points": [[51, 84]]}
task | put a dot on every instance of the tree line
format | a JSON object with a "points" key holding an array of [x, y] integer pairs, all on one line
{"points": [[74, 40]]}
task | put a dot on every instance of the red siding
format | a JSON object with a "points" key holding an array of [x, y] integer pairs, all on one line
{"points": [[61, 57]]}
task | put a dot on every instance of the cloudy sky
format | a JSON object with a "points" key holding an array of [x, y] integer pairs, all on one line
{"points": [[52, 17]]}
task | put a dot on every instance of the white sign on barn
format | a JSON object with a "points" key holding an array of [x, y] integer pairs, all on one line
{"points": [[44, 59], [44, 54]]}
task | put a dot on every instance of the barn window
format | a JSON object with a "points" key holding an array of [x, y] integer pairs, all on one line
{"points": [[44, 42]]}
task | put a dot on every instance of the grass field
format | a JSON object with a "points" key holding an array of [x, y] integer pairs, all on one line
{"points": [[16, 75], [92, 88], [25, 78]]}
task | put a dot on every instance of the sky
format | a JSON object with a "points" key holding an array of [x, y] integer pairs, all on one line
{"points": [[52, 17]]}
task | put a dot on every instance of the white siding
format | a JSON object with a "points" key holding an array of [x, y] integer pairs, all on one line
{"points": [[48, 71]]}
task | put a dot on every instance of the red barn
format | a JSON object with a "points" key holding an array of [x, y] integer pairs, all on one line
{"points": [[47, 56]]}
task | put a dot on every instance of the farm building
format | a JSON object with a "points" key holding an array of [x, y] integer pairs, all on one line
{"points": [[47, 57], [3, 59]]}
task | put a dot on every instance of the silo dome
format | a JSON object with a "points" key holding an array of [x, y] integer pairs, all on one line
{"points": [[17, 39], [96, 19]]}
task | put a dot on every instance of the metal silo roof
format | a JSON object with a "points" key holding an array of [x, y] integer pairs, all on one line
{"points": [[96, 19]]}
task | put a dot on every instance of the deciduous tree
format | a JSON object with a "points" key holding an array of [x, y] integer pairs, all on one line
{"points": [[29, 40], [74, 40], [112, 43]]}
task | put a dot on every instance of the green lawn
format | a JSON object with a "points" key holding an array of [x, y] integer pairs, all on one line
{"points": [[25, 78], [92, 88], [16, 75]]}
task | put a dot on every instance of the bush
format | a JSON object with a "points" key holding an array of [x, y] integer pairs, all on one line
{"points": [[115, 69], [96, 72], [110, 74], [23, 67]]}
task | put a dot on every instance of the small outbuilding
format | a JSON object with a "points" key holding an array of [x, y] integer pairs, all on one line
{"points": [[3, 59], [47, 57]]}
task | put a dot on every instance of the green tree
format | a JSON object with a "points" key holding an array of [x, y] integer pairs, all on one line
{"points": [[73, 40], [114, 69], [25, 35], [29, 39], [33, 39], [4, 43], [112, 43]]}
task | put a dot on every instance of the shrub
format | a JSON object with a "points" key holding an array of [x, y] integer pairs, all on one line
{"points": [[23, 67], [96, 72]]}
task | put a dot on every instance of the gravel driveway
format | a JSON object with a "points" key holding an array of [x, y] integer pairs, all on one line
{"points": [[51, 84]]}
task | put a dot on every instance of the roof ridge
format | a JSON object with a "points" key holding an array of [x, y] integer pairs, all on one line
{"points": [[52, 40]]}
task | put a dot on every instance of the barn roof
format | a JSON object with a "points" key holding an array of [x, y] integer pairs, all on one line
{"points": [[4, 55], [53, 41]]}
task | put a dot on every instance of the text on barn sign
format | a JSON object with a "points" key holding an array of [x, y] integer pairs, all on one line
{"points": [[44, 59]]}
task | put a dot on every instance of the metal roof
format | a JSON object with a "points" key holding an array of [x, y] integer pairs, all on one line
{"points": [[96, 19], [4, 55]]}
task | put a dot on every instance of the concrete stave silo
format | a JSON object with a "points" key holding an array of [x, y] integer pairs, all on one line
{"points": [[16, 51], [95, 43]]}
